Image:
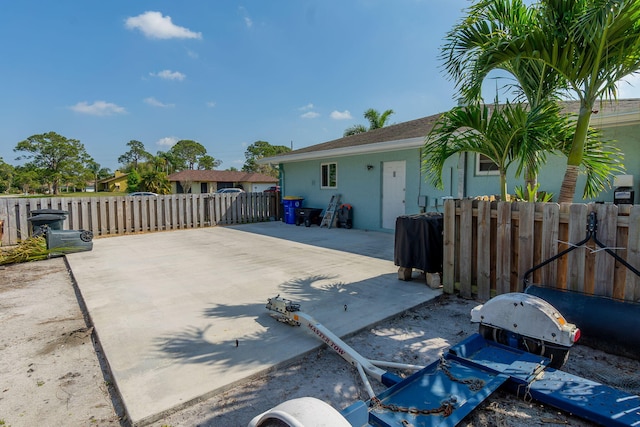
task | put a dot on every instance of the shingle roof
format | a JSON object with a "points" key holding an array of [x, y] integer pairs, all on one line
{"points": [[221, 176], [420, 128]]}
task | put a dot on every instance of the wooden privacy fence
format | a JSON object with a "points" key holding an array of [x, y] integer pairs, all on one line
{"points": [[117, 215], [488, 247]]}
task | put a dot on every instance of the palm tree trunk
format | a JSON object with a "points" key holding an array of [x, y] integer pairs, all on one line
{"points": [[503, 186], [530, 181], [569, 184], [574, 159]]}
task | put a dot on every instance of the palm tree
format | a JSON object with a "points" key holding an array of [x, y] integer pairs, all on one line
{"points": [[376, 121], [156, 181], [507, 134], [589, 44]]}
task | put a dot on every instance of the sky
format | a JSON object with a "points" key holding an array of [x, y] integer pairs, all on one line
{"points": [[223, 73]]}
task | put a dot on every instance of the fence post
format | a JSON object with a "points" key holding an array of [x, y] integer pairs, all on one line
{"points": [[484, 253], [466, 247], [632, 281], [449, 241]]}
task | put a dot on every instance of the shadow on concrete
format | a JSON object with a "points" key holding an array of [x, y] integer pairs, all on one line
{"points": [[375, 244], [192, 346]]}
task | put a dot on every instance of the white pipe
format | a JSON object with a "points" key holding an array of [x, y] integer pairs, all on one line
{"points": [[337, 345], [396, 365], [365, 380]]}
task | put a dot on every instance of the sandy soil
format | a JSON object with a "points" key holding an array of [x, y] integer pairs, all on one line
{"points": [[52, 372]]}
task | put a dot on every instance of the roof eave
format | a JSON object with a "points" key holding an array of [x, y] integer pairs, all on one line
{"points": [[378, 147]]}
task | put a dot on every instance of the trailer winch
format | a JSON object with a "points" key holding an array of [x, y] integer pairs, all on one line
{"points": [[521, 338]]}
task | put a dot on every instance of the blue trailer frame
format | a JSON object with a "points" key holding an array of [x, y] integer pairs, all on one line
{"points": [[454, 381]]}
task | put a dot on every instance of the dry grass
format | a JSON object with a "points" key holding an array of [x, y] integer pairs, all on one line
{"points": [[31, 249]]}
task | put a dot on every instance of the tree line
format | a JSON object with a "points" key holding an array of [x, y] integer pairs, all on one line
{"points": [[55, 163]]}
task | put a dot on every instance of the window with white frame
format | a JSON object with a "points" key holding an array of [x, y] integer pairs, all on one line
{"points": [[485, 166], [329, 175]]}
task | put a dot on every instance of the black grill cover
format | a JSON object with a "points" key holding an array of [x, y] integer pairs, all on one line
{"points": [[419, 242]]}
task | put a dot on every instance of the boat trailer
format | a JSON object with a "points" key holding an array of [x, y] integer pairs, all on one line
{"points": [[522, 343]]}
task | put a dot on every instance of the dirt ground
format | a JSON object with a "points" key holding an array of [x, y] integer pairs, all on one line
{"points": [[52, 372]]}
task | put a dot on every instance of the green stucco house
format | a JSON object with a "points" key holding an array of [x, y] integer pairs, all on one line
{"points": [[379, 172]]}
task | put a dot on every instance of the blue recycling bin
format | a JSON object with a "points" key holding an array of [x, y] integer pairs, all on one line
{"points": [[291, 203]]}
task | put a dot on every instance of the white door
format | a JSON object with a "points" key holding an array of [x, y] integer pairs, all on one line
{"points": [[393, 192]]}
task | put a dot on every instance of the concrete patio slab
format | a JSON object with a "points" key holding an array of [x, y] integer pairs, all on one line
{"points": [[180, 314]]}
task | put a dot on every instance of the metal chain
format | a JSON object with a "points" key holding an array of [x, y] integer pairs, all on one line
{"points": [[445, 409], [474, 384]]}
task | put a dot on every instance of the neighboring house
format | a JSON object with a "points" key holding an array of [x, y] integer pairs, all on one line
{"points": [[117, 183], [209, 181], [379, 172]]}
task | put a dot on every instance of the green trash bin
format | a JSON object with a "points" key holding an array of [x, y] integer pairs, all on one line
{"points": [[60, 242], [43, 221]]}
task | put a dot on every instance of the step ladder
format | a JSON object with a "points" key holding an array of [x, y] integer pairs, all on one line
{"points": [[330, 214]]}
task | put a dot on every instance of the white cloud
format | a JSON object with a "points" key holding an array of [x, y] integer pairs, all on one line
{"points": [[155, 26], [247, 19], [211, 104], [307, 107], [337, 115], [155, 103], [310, 115], [629, 87], [168, 141], [98, 108], [169, 75]]}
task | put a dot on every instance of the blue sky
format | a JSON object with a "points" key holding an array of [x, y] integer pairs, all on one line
{"points": [[223, 73]]}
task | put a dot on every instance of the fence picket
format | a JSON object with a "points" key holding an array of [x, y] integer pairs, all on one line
{"points": [[503, 248], [484, 250], [466, 248], [449, 241], [525, 240], [632, 281], [525, 234]]}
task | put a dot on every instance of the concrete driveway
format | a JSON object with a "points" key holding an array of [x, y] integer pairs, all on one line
{"points": [[168, 307]]}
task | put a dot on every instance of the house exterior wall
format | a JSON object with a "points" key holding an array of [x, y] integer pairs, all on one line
{"points": [[118, 184], [358, 186], [362, 188], [626, 138]]}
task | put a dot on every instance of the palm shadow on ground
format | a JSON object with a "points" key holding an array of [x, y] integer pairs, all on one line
{"points": [[192, 346], [422, 341]]}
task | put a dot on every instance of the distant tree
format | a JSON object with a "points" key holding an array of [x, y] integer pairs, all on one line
{"points": [[55, 158], [166, 161], [232, 168], [207, 162], [98, 172], [133, 181], [94, 167], [156, 182], [132, 158], [26, 179], [187, 153], [259, 150], [376, 121], [6, 176]]}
